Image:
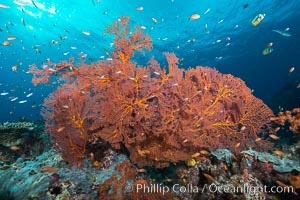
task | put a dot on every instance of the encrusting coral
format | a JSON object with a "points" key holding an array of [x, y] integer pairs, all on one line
{"points": [[161, 115]]}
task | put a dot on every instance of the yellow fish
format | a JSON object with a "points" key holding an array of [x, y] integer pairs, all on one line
{"points": [[190, 162], [257, 19], [267, 51]]}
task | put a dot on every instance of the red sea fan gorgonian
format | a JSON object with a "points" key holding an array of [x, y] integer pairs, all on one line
{"points": [[160, 115]]}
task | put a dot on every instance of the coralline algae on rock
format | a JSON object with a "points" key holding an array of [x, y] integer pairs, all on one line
{"points": [[281, 165], [223, 154]]}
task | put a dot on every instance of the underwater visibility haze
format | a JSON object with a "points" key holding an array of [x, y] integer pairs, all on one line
{"points": [[99, 96]]}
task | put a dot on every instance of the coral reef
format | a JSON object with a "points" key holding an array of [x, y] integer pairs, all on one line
{"points": [[187, 177], [279, 164], [16, 125], [126, 186], [23, 180], [48, 177], [160, 116], [223, 154], [11, 133], [292, 118], [22, 139], [68, 124], [242, 187]]}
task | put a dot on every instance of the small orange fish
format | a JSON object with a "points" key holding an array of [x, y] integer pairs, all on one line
{"points": [[14, 148], [257, 139], [4, 6], [277, 129], [225, 167], [48, 169], [14, 68], [86, 33], [279, 153], [11, 37], [237, 145], [79, 165], [204, 152], [273, 136], [6, 43], [201, 158], [60, 129], [209, 177], [140, 8], [97, 164], [194, 17], [142, 170], [169, 180], [195, 155]]}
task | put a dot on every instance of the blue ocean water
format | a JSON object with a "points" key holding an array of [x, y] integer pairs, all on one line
{"points": [[223, 37]]}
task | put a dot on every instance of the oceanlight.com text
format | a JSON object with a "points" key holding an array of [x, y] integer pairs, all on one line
{"points": [[211, 188]]}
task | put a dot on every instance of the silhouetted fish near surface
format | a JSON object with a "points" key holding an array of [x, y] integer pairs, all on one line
{"points": [[63, 37], [245, 6], [34, 4]]}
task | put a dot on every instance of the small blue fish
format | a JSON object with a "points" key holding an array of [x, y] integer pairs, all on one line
{"points": [[282, 33]]}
